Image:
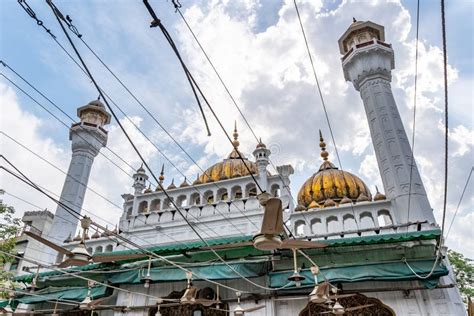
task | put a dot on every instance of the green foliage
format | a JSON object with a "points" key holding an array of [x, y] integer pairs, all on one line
{"points": [[464, 271], [9, 227]]}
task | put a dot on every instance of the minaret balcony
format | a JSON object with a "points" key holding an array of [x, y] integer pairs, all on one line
{"points": [[365, 60]]}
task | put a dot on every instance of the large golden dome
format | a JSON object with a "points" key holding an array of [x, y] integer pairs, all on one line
{"points": [[231, 167], [331, 186]]}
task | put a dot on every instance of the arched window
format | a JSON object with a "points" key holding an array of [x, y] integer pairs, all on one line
{"points": [[300, 228], [250, 190], [195, 199], [98, 249], [333, 224], [275, 190], [209, 197], [317, 227], [236, 192], [181, 200], [222, 194], [384, 218], [109, 248], [349, 222], [89, 250], [167, 203], [366, 220], [155, 205], [143, 207], [129, 211]]}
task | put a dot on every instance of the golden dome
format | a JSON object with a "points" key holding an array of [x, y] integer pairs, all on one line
{"points": [[231, 167], [331, 186]]}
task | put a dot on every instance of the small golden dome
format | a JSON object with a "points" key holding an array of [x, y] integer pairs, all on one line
{"points": [[261, 144], [329, 182], [329, 203], [345, 200], [184, 184], [197, 181], [231, 167], [172, 186], [363, 198], [379, 196], [299, 208], [148, 190]]}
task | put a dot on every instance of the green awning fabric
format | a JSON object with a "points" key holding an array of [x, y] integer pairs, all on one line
{"points": [[64, 293], [393, 271], [384, 238], [216, 271], [203, 255]]}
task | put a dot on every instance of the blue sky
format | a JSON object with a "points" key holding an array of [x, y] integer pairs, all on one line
{"points": [[259, 51]]}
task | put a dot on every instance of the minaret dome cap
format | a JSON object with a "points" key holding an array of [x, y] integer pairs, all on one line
{"points": [[360, 32], [94, 113]]}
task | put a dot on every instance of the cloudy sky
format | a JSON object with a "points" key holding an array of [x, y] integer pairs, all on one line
{"points": [[258, 49]]}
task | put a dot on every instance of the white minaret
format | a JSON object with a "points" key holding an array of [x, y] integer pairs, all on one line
{"points": [[262, 156], [367, 62], [139, 180], [87, 138]]}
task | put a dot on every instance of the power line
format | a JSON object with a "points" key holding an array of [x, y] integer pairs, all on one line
{"points": [[215, 70], [414, 110], [459, 203], [157, 22], [75, 31], [61, 170], [446, 127], [57, 107], [321, 97], [58, 119], [26, 180], [49, 112]]}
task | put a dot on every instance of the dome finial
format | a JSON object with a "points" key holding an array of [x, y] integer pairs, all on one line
{"points": [[354, 20], [236, 142], [162, 173], [322, 145]]}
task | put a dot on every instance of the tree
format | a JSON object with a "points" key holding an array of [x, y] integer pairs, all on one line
{"points": [[9, 228], [464, 271]]}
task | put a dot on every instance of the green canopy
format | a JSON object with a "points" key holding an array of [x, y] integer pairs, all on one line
{"points": [[63, 293], [214, 271], [393, 271]]}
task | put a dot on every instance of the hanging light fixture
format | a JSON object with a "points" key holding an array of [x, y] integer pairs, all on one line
{"points": [[158, 310], [189, 296], [320, 293], [238, 311], [296, 276], [147, 277]]}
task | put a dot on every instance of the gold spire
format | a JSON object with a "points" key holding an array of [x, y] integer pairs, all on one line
{"points": [[322, 145], [162, 173], [236, 142]]}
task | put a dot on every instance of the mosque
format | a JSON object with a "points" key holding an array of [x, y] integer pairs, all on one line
{"points": [[375, 253]]}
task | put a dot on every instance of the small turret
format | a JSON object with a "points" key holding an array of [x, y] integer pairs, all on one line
{"points": [[139, 180], [262, 154]]}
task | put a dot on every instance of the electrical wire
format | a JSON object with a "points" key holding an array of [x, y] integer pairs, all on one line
{"points": [[414, 110], [49, 112], [323, 103], [446, 121], [177, 7], [56, 13], [145, 251], [157, 22], [459, 203]]}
